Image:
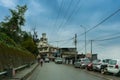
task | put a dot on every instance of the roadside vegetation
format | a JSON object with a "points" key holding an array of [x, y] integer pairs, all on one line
{"points": [[17, 47]]}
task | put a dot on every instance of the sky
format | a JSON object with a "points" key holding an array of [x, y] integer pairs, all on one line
{"points": [[62, 19]]}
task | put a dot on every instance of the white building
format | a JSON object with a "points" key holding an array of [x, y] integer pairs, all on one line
{"points": [[46, 49]]}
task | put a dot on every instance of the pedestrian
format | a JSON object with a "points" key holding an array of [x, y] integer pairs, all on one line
{"points": [[41, 62]]}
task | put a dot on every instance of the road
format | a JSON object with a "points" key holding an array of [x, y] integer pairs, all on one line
{"points": [[52, 71]]}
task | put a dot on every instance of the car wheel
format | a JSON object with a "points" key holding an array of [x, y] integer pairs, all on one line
{"points": [[103, 71]]}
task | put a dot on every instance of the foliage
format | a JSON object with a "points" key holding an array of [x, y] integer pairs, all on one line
{"points": [[11, 26], [16, 20], [29, 44], [6, 40], [13, 57]]}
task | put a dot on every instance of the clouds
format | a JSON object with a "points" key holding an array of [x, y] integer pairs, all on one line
{"points": [[34, 8], [42, 14], [112, 52], [8, 3]]}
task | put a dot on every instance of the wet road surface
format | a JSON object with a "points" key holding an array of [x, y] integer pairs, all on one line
{"points": [[52, 71]]}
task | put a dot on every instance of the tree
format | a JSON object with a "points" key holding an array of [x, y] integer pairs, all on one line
{"points": [[16, 20], [12, 24], [29, 44], [12, 27]]}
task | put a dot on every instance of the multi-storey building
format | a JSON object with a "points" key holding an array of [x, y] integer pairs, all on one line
{"points": [[45, 49]]}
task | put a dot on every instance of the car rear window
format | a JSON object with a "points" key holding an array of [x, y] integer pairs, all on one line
{"points": [[96, 61], [113, 62]]}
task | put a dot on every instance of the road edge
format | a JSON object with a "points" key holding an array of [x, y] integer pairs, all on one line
{"points": [[28, 74]]}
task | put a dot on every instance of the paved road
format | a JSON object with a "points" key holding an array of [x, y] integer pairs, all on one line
{"points": [[52, 71]]}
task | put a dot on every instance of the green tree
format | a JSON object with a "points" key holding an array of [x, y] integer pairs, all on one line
{"points": [[16, 20], [12, 27], [29, 44], [12, 24]]}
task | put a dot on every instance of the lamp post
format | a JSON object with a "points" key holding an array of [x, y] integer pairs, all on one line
{"points": [[85, 37]]}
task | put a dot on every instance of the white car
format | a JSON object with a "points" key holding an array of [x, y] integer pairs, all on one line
{"points": [[100, 64], [114, 67], [58, 60], [47, 60]]}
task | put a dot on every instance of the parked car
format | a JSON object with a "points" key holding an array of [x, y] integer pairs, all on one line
{"points": [[84, 62], [113, 67], [77, 63], [100, 64], [47, 60], [59, 60]]}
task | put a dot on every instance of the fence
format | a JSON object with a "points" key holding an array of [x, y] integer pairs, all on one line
{"points": [[11, 72]]}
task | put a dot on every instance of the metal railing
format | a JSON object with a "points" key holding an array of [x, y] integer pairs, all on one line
{"points": [[18, 68], [2, 73]]}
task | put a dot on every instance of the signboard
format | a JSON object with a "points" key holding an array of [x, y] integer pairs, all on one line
{"points": [[88, 55]]}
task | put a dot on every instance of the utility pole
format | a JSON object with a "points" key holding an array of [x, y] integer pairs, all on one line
{"points": [[75, 46], [91, 47], [85, 42], [34, 35]]}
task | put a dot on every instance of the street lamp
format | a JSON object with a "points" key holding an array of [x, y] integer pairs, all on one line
{"points": [[85, 36]]}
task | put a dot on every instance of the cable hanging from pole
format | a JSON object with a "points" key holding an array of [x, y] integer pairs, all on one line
{"points": [[97, 25]]}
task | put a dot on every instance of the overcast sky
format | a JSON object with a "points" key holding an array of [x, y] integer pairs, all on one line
{"points": [[61, 20]]}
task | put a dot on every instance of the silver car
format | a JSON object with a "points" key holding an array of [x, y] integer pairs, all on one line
{"points": [[84, 62], [58, 60], [77, 63], [81, 63]]}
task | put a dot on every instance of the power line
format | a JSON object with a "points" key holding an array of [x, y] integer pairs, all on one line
{"points": [[110, 35], [101, 22], [84, 46], [61, 40], [69, 17], [74, 11], [60, 9], [66, 13], [111, 38], [63, 3], [66, 42], [68, 8], [98, 23], [62, 6], [116, 37]]}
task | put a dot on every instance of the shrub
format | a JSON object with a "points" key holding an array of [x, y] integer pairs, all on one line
{"points": [[13, 57]]}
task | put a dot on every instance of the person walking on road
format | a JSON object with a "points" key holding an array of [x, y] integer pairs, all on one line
{"points": [[41, 62]]}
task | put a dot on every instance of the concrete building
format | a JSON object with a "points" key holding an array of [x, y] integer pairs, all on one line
{"points": [[45, 49]]}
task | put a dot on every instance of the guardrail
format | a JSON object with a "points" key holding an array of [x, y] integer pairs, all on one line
{"points": [[11, 72], [4, 72], [20, 67]]}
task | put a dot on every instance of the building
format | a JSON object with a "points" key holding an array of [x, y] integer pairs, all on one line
{"points": [[91, 56], [45, 49], [66, 52]]}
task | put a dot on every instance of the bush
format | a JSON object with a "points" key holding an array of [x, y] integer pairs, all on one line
{"points": [[12, 57], [7, 40]]}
